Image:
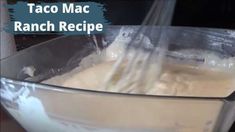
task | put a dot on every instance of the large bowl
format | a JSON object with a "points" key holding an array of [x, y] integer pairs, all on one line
{"points": [[45, 108]]}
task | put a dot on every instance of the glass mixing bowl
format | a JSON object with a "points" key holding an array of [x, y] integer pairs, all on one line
{"points": [[41, 108]]}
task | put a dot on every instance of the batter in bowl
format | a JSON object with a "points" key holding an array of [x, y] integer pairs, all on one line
{"points": [[215, 77], [178, 80]]}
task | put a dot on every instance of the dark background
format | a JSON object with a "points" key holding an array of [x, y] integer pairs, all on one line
{"points": [[195, 13]]}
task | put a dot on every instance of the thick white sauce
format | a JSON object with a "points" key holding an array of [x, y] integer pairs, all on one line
{"points": [[43, 110]]}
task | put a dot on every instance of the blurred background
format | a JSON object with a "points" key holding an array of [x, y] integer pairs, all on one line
{"points": [[194, 13]]}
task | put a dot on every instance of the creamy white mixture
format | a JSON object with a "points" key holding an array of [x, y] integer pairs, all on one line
{"points": [[215, 77], [46, 111]]}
